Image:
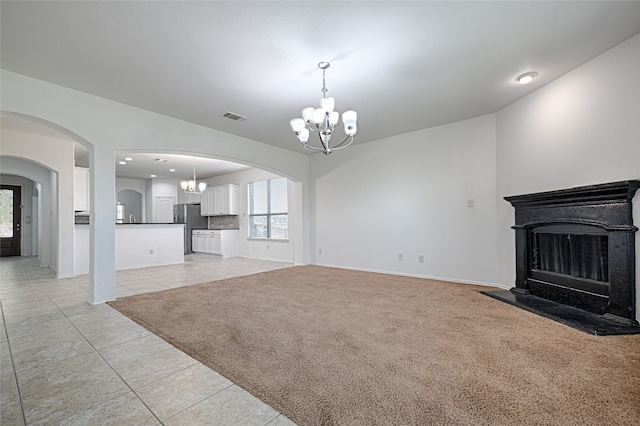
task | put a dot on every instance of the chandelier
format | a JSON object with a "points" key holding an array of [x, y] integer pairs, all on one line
{"points": [[190, 185], [323, 121]]}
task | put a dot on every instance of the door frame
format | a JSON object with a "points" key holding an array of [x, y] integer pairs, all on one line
{"points": [[16, 243]]}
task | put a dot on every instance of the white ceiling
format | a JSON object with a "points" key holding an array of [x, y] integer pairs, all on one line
{"points": [[144, 164], [403, 66]]}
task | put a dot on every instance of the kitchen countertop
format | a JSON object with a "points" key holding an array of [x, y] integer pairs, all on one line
{"points": [[119, 224], [149, 223]]}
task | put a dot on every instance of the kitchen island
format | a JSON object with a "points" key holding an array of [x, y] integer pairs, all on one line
{"points": [[137, 245]]}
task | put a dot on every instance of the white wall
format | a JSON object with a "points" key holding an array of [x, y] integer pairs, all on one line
{"points": [[138, 185], [408, 195], [277, 250], [581, 129], [57, 156], [137, 246]]}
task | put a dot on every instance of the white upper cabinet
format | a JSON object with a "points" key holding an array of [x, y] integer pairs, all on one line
{"points": [[81, 199], [192, 198], [207, 202], [219, 201]]}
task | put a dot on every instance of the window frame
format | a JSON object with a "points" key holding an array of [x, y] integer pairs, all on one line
{"points": [[269, 215]]}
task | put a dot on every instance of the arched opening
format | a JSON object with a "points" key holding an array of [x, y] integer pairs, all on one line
{"points": [[100, 260], [129, 207], [158, 174], [44, 153]]}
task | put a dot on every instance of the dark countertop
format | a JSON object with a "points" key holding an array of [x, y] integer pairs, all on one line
{"points": [[119, 224], [149, 224]]}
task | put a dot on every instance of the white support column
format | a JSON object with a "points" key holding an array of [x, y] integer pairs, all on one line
{"points": [[102, 269]]}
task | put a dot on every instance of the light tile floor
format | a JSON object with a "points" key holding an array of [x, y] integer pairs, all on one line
{"points": [[64, 361]]}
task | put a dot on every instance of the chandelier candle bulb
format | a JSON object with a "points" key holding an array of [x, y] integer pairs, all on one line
{"points": [[327, 104], [322, 121], [318, 116], [297, 124], [304, 135], [349, 118], [307, 114]]}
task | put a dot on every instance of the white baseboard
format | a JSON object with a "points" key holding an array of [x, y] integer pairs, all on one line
{"points": [[429, 277]]}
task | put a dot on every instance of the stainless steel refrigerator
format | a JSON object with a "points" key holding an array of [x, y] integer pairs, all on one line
{"points": [[189, 214]]}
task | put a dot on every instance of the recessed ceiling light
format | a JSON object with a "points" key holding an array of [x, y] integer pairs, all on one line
{"points": [[122, 162], [153, 175], [527, 77], [172, 170], [128, 159]]}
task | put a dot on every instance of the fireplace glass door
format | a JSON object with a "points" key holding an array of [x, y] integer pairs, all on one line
{"points": [[572, 256]]}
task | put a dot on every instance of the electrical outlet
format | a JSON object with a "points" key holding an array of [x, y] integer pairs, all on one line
{"points": [[319, 251], [471, 202], [400, 256], [421, 258], [150, 251]]}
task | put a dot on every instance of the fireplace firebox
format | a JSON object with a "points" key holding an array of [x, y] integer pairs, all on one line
{"points": [[576, 248]]}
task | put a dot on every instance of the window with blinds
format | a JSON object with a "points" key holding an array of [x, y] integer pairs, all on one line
{"points": [[268, 211]]}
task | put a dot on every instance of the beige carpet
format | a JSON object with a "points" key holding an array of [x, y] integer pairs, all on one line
{"points": [[327, 346]]}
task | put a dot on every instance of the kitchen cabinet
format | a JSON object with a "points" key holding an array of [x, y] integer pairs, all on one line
{"points": [[81, 199], [219, 242], [192, 198], [208, 243], [219, 200], [198, 241], [207, 202]]}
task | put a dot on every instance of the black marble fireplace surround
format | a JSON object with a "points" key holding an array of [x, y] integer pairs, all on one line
{"points": [[575, 257]]}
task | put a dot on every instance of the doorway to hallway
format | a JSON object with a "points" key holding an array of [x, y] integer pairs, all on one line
{"points": [[10, 220]]}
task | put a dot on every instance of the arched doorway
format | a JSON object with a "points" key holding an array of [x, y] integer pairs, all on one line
{"points": [[129, 208]]}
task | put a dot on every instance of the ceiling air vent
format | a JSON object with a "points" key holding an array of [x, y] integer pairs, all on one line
{"points": [[233, 116]]}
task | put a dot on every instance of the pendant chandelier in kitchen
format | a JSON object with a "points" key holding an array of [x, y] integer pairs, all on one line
{"points": [[190, 185]]}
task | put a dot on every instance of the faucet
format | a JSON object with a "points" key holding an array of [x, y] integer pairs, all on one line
{"points": [[132, 218]]}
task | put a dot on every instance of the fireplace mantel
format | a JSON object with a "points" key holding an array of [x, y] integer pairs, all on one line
{"points": [[607, 205], [589, 225]]}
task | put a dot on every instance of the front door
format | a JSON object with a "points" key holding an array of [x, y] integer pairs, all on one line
{"points": [[10, 220]]}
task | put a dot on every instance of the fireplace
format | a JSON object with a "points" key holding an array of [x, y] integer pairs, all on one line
{"points": [[575, 251], [569, 263]]}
